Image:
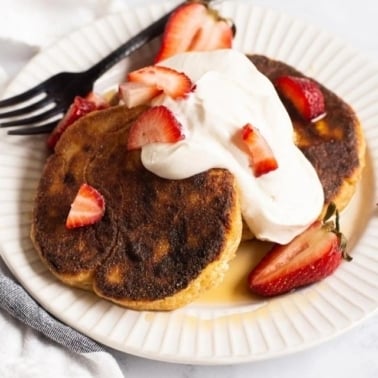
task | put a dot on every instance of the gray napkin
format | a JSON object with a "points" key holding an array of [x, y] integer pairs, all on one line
{"points": [[20, 305]]}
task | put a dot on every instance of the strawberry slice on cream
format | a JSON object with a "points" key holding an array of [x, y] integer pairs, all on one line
{"points": [[173, 83], [230, 92], [135, 94], [155, 125], [262, 158]]}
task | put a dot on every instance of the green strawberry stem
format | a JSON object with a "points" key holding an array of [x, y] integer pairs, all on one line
{"points": [[334, 226]]}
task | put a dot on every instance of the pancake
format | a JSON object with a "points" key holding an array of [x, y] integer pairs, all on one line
{"points": [[160, 244], [334, 145]]}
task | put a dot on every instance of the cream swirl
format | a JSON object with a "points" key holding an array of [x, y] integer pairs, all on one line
{"points": [[230, 92]]}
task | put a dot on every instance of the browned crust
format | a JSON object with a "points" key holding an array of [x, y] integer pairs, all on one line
{"points": [[180, 254], [161, 242], [335, 145]]}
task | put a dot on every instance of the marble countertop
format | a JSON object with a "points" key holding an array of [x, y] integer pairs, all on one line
{"points": [[354, 353]]}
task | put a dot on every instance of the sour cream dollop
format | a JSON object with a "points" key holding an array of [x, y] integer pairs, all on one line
{"points": [[229, 93]]}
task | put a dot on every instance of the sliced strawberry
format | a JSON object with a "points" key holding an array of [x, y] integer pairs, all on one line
{"points": [[99, 101], [213, 34], [80, 107], [304, 94], [87, 208], [134, 94], [156, 124], [262, 158], [308, 258], [195, 27], [173, 83]]}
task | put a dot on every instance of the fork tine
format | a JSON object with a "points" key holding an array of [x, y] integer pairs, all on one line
{"points": [[34, 119], [26, 109], [24, 96], [40, 129]]}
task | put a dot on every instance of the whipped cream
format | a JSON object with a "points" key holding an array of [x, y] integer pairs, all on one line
{"points": [[230, 92]]}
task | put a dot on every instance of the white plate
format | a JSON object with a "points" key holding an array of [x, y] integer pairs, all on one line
{"points": [[228, 325]]}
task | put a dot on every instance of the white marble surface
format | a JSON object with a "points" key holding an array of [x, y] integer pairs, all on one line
{"points": [[353, 354]]}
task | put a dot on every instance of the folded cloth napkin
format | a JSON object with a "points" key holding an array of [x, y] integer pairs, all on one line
{"points": [[40, 22], [33, 343], [36, 345]]}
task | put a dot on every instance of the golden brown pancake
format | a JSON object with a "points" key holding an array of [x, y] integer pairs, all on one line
{"points": [[334, 145], [160, 244], [163, 242]]}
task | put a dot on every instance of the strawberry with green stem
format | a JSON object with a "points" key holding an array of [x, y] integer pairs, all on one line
{"points": [[310, 257]]}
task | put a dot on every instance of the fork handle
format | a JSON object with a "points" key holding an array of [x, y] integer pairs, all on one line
{"points": [[127, 48]]}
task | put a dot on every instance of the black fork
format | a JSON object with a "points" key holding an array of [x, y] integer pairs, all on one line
{"points": [[60, 89]]}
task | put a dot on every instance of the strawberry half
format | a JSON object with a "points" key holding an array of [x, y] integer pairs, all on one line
{"points": [[261, 155], [304, 94], [195, 27], [79, 108], [308, 258], [134, 94], [173, 83], [87, 208], [98, 100], [156, 124]]}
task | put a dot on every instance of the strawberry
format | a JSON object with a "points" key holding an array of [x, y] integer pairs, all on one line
{"points": [[262, 158], [308, 258], [87, 208], [156, 124], [305, 94], [173, 83], [98, 100], [79, 108], [134, 94], [195, 27]]}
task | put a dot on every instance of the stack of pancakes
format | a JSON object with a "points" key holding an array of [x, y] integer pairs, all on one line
{"points": [[164, 242]]}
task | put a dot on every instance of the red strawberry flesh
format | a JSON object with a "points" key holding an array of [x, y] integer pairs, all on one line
{"points": [[305, 95], [308, 258], [99, 101], [262, 158], [173, 83], [212, 35], [134, 94], [79, 108], [194, 26], [156, 124], [87, 208]]}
